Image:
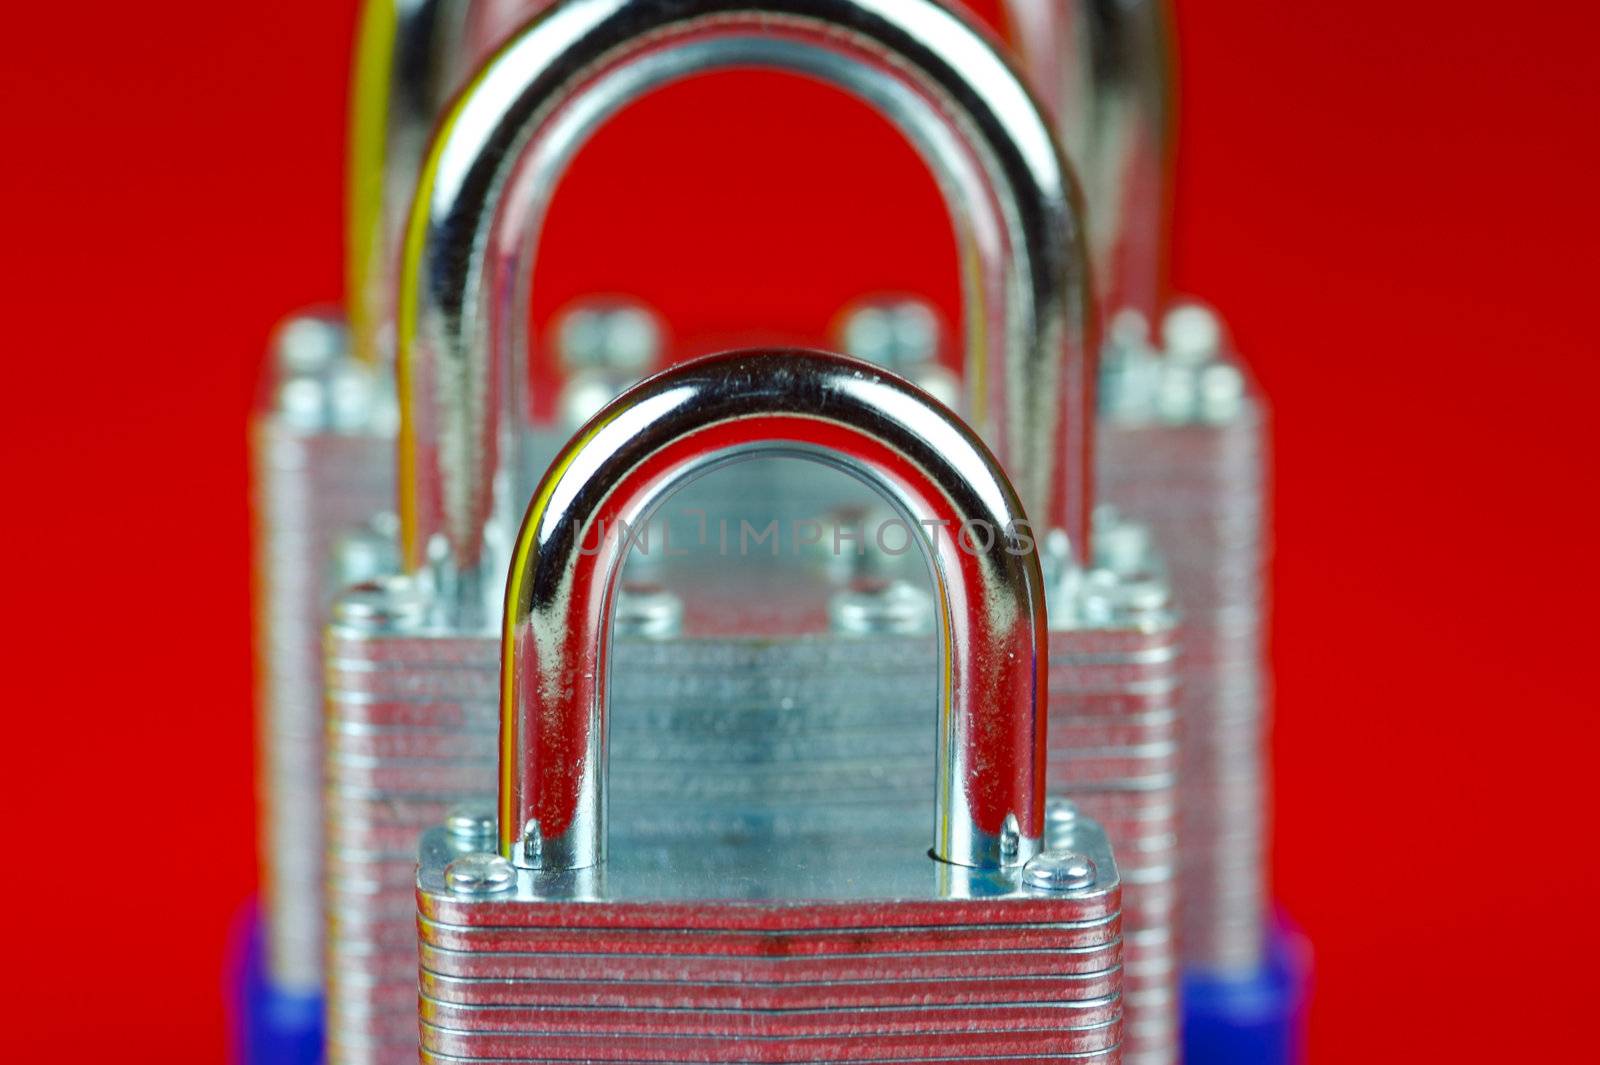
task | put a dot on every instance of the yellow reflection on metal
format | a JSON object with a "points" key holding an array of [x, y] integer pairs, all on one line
{"points": [[364, 220], [518, 598]]}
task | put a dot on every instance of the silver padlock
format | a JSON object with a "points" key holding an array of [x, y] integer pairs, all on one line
{"points": [[1113, 687], [321, 447], [1183, 450], [412, 660], [539, 943], [322, 458]]}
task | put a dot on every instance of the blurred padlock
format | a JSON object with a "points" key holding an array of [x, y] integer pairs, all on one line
{"points": [[322, 456], [1184, 450], [411, 58], [541, 943], [1184, 447], [321, 441], [412, 660], [1102, 69]]}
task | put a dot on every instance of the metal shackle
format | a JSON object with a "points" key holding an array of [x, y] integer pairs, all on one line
{"points": [[1104, 69], [686, 421], [500, 150], [411, 58]]}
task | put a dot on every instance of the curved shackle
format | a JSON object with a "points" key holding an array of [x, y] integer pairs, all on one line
{"points": [[673, 427], [1104, 69], [411, 58], [499, 152]]}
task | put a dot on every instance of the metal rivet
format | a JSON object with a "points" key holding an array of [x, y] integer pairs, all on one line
{"points": [[1059, 812], [303, 403], [897, 334], [309, 343], [648, 611], [479, 874], [366, 554], [620, 338], [381, 605], [1191, 334], [471, 823], [873, 606], [1222, 391], [1059, 871]]}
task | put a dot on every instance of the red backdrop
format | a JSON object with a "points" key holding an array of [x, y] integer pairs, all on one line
{"points": [[1394, 204]]}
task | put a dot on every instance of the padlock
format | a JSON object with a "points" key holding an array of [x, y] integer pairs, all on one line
{"points": [[412, 659], [1184, 451], [322, 445], [1184, 448], [1113, 690], [539, 942]]}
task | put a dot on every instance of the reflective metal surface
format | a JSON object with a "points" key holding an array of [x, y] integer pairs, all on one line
{"points": [[759, 951], [1115, 654], [1104, 69], [823, 945], [1184, 448], [411, 56], [499, 153], [989, 810], [321, 446]]}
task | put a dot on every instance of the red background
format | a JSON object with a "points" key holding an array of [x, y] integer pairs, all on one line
{"points": [[1393, 203]]}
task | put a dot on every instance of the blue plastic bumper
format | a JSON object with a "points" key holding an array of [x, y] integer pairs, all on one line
{"points": [[1255, 1019], [270, 1026]]}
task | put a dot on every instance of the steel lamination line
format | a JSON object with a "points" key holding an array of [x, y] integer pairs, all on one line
{"points": [[1013, 199], [993, 645]]}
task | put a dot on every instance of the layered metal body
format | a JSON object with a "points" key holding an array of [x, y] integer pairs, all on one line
{"points": [[1184, 449], [1117, 653], [322, 446], [772, 951]]}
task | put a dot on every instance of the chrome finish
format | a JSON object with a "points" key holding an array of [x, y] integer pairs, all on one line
{"points": [[471, 823], [679, 425], [604, 346], [748, 952], [1060, 871], [1104, 69], [499, 153], [479, 874], [800, 741], [903, 335], [411, 57]]}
